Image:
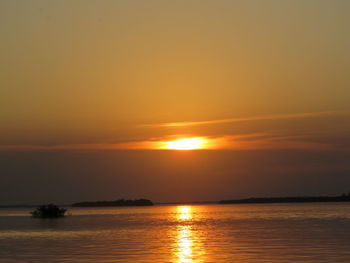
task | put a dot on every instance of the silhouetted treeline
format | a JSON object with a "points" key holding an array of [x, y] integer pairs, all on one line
{"points": [[120, 202], [301, 199], [188, 203]]}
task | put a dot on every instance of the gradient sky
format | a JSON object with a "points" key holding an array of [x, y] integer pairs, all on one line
{"points": [[87, 86]]}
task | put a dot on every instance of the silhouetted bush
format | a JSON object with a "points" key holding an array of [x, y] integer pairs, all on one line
{"points": [[48, 211]]}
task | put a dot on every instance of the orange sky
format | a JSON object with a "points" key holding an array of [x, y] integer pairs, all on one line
{"points": [[255, 75]]}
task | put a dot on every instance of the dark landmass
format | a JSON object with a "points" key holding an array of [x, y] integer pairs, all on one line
{"points": [[48, 211], [188, 203], [301, 199], [120, 202]]}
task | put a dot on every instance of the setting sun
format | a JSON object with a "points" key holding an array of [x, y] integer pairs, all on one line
{"points": [[186, 144]]}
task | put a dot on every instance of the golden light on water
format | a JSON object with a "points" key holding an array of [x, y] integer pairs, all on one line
{"points": [[184, 235], [185, 244], [184, 212], [188, 247], [194, 143]]}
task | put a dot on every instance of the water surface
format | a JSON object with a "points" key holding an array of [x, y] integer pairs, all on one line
{"points": [[204, 233]]}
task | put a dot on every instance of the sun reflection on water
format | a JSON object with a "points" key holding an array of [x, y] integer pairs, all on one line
{"points": [[185, 244], [188, 248], [184, 212]]}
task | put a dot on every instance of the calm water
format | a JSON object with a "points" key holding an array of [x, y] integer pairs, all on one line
{"points": [[205, 233]]}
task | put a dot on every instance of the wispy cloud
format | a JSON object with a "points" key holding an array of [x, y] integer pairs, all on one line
{"points": [[279, 143], [134, 145], [254, 141], [269, 139], [252, 118]]}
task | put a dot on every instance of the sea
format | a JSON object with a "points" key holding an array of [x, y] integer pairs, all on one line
{"points": [[249, 233]]}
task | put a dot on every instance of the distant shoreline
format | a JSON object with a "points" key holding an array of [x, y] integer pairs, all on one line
{"points": [[251, 200], [299, 199], [120, 202], [188, 203]]}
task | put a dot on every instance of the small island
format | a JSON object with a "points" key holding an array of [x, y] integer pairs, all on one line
{"points": [[48, 211], [298, 199], [120, 202]]}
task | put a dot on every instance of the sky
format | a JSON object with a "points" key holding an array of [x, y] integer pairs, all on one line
{"points": [[93, 92]]}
